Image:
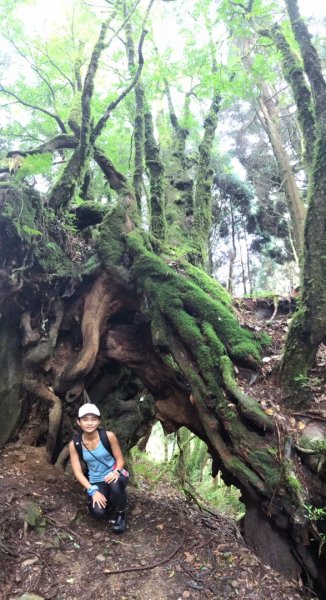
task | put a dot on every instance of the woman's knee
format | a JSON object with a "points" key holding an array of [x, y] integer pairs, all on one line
{"points": [[97, 511]]}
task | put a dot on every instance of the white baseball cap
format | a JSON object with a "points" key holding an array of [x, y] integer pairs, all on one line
{"points": [[88, 409]]}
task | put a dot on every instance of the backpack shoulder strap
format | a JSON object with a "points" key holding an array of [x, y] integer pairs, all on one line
{"points": [[77, 439], [105, 441]]}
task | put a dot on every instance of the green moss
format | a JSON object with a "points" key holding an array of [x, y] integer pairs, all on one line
{"points": [[293, 483], [111, 245], [21, 212], [212, 287], [169, 360], [237, 340], [212, 340], [26, 226], [53, 260], [264, 339], [167, 288], [298, 352], [318, 446], [75, 115], [159, 333], [245, 475], [265, 462]]}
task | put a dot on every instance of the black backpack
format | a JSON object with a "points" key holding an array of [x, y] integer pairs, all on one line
{"points": [[77, 439]]}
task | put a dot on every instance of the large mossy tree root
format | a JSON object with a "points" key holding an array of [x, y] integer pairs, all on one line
{"points": [[100, 303], [194, 328], [197, 324]]}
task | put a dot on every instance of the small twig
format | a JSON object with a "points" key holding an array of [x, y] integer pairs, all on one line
{"points": [[204, 543], [309, 415], [152, 566], [61, 526], [199, 583], [7, 550], [40, 558]]}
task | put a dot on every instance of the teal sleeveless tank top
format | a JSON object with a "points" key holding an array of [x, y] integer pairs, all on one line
{"points": [[96, 469]]}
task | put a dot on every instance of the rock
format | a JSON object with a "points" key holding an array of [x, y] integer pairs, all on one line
{"points": [[50, 477], [312, 433], [100, 558], [20, 455], [61, 559]]}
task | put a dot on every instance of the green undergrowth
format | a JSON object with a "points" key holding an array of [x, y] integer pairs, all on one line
{"points": [[211, 493], [265, 295]]}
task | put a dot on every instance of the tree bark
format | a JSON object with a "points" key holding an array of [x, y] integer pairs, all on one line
{"points": [[308, 326], [293, 199], [294, 75]]}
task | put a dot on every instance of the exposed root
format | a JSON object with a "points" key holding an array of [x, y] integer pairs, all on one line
{"points": [[34, 362], [31, 337], [39, 389], [248, 406], [100, 304], [62, 458]]}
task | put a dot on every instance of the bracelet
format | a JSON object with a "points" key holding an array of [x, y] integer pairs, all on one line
{"points": [[92, 490], [122, 472]]}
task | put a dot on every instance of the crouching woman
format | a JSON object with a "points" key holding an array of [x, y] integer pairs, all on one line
{"points": [[106, 479]]}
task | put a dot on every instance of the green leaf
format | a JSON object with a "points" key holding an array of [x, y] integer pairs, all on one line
{"points": [[31, 231]]}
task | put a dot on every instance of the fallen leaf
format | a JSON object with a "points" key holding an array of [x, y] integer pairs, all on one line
{"points": [[189, 557], [29, 561], [137, 511]]}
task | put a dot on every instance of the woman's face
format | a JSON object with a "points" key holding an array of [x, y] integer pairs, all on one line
{"points": [[88, 423]]}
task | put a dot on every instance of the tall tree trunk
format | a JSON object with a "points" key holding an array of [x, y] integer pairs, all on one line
{"points": [[308, 326], [204, 179], [139, 127], [232, 253], [156, 176], [269, 117], [294, 75], [179, 184]]}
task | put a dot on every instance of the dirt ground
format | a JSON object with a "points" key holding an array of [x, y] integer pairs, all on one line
{"points": [[53, 548]]}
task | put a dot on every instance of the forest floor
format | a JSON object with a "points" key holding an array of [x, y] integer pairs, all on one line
{"points": [[171, 550]]}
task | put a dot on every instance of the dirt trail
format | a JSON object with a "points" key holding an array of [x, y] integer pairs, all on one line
{"points": [[71, 557]]}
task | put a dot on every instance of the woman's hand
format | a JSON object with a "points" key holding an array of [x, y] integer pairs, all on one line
{"points": [[112, 477], [99, 499]]}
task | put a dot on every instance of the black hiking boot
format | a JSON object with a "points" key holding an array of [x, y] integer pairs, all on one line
{"points": [[120, 523]]}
